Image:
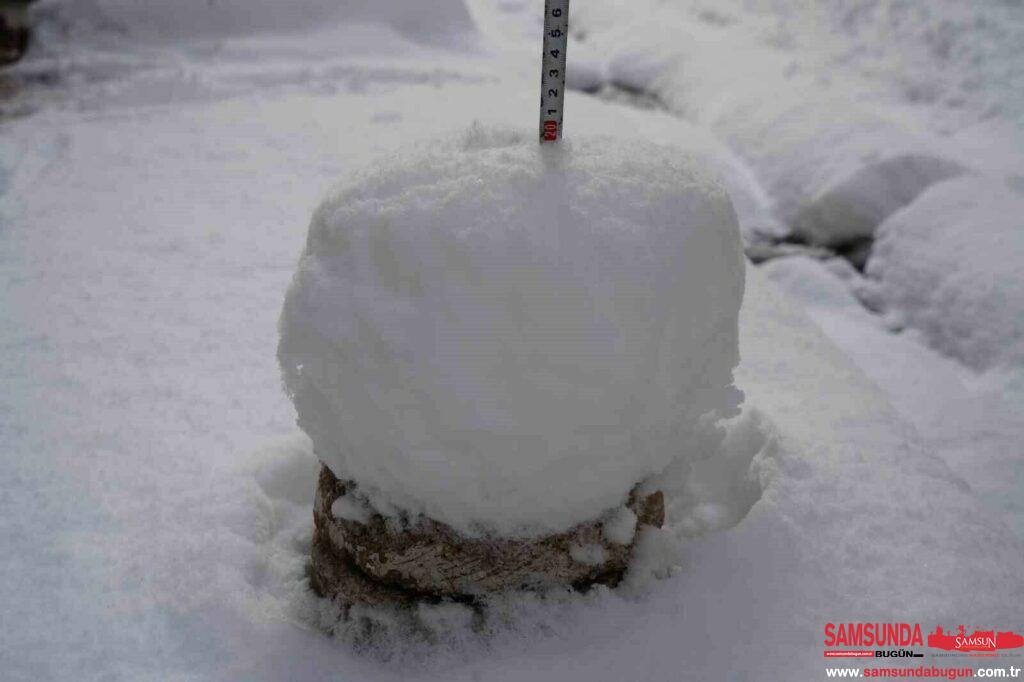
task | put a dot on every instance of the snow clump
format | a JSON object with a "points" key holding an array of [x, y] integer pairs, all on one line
{"points": [[620, 527], [506, 337]]}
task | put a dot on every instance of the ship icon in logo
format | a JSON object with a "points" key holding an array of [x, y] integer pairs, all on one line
{"points": [[979, 640]]}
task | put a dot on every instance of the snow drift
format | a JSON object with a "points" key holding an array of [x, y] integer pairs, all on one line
{"points": [[835, 169], [949, 266], [509, 338], [834, 162]]}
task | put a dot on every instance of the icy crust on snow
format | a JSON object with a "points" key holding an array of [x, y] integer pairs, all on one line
{"points": [[507, 338], [948, 265]]}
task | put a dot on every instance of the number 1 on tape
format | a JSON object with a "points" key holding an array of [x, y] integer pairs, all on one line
{"points": [[552, 76]]}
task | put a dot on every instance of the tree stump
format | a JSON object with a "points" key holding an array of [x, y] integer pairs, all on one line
{"points": [[373, 562]]}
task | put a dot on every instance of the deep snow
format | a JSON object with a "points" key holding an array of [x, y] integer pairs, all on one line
{"points": [[155, 495], [508, 338]]}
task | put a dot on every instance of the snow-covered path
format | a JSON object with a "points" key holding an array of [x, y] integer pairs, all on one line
{"points": [[154, 506]]}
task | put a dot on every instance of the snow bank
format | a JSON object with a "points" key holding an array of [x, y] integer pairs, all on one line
{"points": [[508, 338], [836, 161], [949, 266], [834, 168], [957, 62], [975, 426], [435, 22], [852, 206]]}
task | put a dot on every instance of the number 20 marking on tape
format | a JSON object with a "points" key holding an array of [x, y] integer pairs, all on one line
{"points": [[550, 131]]}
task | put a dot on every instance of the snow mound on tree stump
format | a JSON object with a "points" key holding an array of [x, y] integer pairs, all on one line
{"points": [[507, 337]]}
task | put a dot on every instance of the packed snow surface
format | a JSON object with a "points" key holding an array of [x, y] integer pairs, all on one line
{"points": [[509, 337]]}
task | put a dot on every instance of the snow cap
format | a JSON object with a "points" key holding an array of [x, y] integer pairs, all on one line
{"points": [[507, 338]]}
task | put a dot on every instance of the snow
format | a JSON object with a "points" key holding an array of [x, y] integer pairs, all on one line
{"points": [[620, 527], [507, 337], [591, 554], [823, 103], [936, 273], [851, 208], [835, 167], [155, 494], [972, 422], [955, 63], [348, 508], [442, 21]]}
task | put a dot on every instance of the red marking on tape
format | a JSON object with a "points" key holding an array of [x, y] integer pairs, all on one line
{"points": [[550, 131]]}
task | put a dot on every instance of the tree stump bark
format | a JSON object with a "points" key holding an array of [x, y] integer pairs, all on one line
{"points": [[370, 561]]}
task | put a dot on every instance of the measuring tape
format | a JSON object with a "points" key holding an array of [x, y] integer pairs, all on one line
{"points": [[552, 75]]}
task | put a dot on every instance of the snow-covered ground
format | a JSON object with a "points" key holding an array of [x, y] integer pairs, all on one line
{"points": [[158, 173]]}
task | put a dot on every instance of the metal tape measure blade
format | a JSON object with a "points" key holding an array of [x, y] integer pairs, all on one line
{"points": [[552, 78]]}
